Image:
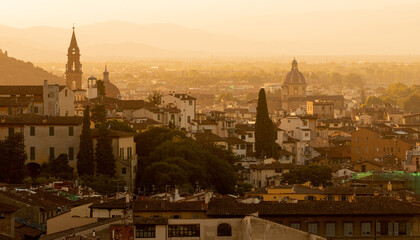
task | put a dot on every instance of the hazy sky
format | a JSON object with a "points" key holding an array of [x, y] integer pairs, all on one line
{"points": [[189, 13]]}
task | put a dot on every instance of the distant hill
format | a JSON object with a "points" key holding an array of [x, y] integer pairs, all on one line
{"points": [[17, 72]]}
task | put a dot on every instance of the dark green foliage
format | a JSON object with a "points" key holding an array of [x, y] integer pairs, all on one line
{"points": [[98, 113], [412, 103], [155, 97], [168, 157], [373, 100], [12, 159], [362, 96], [116, 125], [58, 168], [104, 158], [241, 189], [103, 184], [85, 158], [265, 145], [316, 174], [101, 88]]}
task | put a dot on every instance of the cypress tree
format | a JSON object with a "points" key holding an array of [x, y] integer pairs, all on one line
{"points": [[265, 145], [85, 158], [104, 159]]}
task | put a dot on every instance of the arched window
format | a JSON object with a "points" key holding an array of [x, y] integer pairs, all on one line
{"points": [[224, 230]]}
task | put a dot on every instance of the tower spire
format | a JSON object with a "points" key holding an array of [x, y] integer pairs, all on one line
{"points": [[73, 67]]}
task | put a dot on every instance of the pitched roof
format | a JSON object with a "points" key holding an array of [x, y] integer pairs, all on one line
{"points": [[21, 90], [150, 221], [162, 205], [111, 204], [360, 206], [208, 137], [272, 166], [230, 208], [34, 119]]}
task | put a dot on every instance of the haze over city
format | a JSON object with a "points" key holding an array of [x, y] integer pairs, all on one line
{"points": [[37, 30], [208, 120]]}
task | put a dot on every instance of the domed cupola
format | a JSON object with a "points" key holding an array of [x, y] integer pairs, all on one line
{"points": [[294, 76]]}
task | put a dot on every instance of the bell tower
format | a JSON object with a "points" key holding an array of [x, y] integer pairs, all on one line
{"points": [[73, 66]]}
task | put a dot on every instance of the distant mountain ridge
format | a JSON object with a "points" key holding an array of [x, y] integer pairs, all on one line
{"points": [[17, 72]]}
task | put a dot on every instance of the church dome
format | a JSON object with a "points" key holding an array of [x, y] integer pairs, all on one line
{"points": [[111, 90], [294, 76]]}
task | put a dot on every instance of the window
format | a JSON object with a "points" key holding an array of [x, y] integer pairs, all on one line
{"points": [[191, 102], [224, 230], [366, 228], [384, 228], [363, 168], [158, 116], [121, 153], [348, 229], [358, 149], [123, 170], [52, 153], [145, 231], [357, 139], [401, 228], [343, 198], [184, 230], [10, 111], [32, 131], [377, 149], [51, 131], [71, 131], [35, 109], [367, 149], [71, 153], [250, 135], [176, 216], [330, 198], [11, 131], [32, 153], [313, 227], [330, 229], [129, 152], [188, 119]]}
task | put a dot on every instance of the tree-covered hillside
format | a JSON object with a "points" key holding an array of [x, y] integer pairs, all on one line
{"points": [[18, 72]]}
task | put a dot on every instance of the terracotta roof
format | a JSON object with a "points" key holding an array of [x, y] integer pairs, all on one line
{"points": [[162, 205], [40, 198], [21, 90], [27, 231], [7, 208], [150, 221], [234, 140], [284, 152], [111, 204], [246, 127], [360, 206], [230, 208], [208, 136], [33, 119], [272, 166], [335, 190], [134, 104]]}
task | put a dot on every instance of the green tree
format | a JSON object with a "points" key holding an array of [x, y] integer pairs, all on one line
{"points": [[373, 100], [163, 173], [103, 184], [101, 88], [12, 159], [265, 145], [116, 125], [316, 174], [412, 103], [85, 158], [98, 113], [155, 97], [58, 168], [104, 158]]}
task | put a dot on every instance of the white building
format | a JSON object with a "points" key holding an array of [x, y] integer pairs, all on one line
{"points": [[186, 104]]}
